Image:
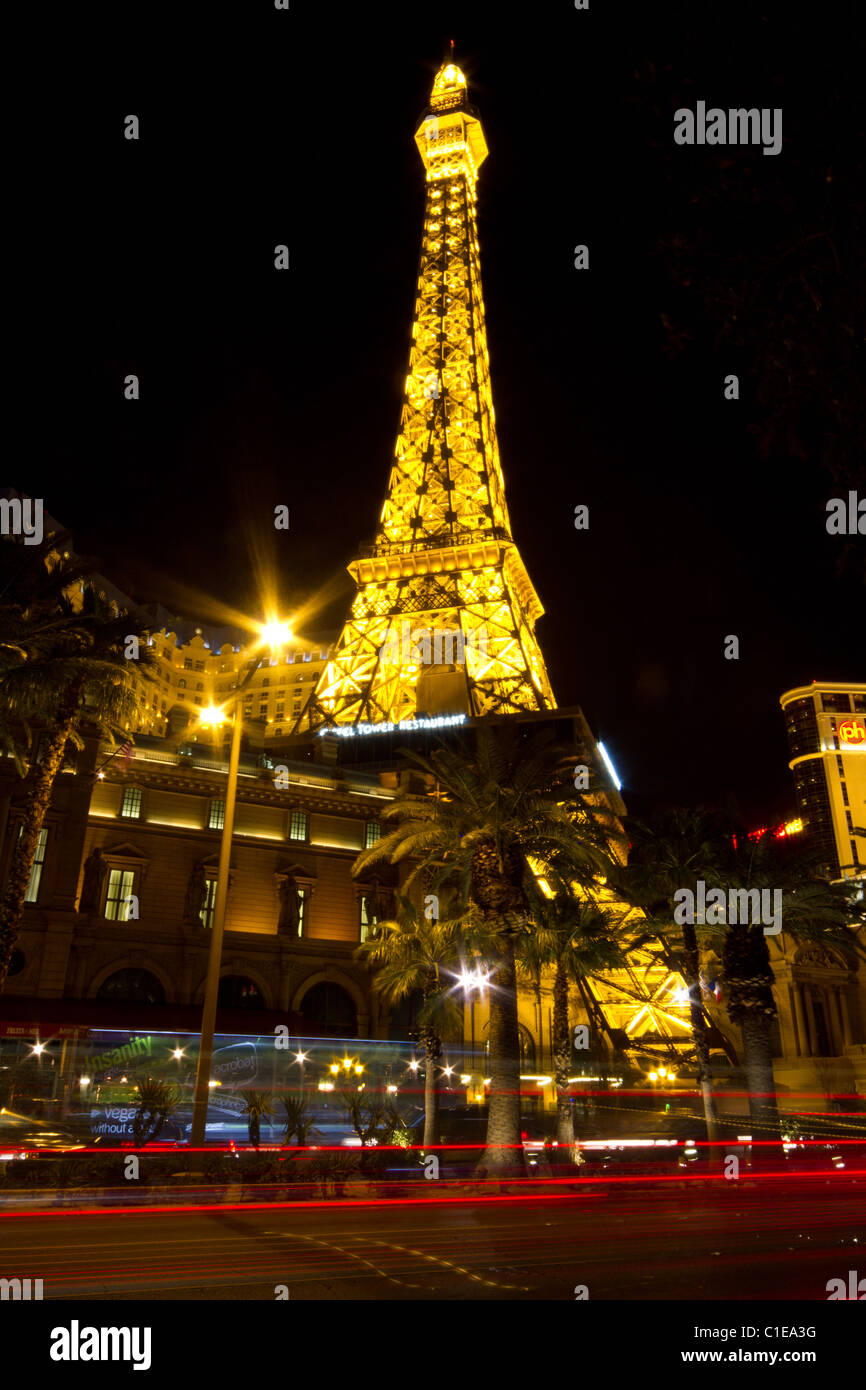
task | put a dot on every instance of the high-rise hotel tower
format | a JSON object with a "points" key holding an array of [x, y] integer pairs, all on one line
{"points": [[826, 724]]}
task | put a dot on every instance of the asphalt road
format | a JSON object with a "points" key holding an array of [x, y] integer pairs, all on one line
{"points": [[729, 1242]]}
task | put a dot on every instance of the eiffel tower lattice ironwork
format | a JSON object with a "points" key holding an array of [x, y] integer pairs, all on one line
{"points": [[444, 616]]}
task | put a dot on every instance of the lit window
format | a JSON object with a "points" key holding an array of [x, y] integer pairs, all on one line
{"points": [[36, 870], [131, 804], [216, 818], [209, 904], [372, 833], [298, 825], [121, 884]]}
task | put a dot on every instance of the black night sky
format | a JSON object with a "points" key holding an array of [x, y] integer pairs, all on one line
{"points": [[258, 387]]}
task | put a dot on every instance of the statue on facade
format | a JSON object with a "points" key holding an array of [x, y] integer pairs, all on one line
{"points": [[290, 905], [196, 893], [95, 873], [377, 903]]}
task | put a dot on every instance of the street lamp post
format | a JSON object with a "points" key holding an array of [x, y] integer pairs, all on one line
{"points": [[208, 1018], [272, 634]]}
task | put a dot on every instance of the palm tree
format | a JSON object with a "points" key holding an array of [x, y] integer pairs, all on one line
{"points": [[63, 668], [574, 937], [676, 849], [298, 1119], [497, 811], [416, 954], [812, 910]]}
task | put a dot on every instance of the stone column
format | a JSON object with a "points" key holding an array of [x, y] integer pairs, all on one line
{"points": [[800, 1022], [846, 1019], [835, 1020], [810, 1015]]}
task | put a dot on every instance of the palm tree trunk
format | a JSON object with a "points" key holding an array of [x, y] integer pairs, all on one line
{"points": [[758, 1059], [691, 972], [562, 1061], [40, 783], [432, 1051], [749, 979], [503, 1148]]}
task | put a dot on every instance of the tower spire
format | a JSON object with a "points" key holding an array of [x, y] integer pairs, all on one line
{"points": [[444, 615]]}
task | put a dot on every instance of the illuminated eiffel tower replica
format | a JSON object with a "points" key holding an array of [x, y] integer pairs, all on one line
{"points": [[444, 578], [444, 560]]}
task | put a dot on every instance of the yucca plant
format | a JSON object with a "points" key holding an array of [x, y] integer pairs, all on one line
{"points": [[155, 1102], [298, 1120], [257, 1106]]}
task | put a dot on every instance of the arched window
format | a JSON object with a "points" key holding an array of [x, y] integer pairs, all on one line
{"points": [[237, 992], [132, 986], [328, 1010], [527, 1051]]}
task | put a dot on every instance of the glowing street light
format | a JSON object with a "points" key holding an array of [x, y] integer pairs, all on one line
{"points": [[212, 716], [275, 634], [470, 982]]}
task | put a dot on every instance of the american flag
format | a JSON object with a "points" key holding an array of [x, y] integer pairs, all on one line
{"points": [[126, 751]]}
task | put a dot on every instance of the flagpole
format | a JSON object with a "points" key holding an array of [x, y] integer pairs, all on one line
{"points": [[111, 757]]}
